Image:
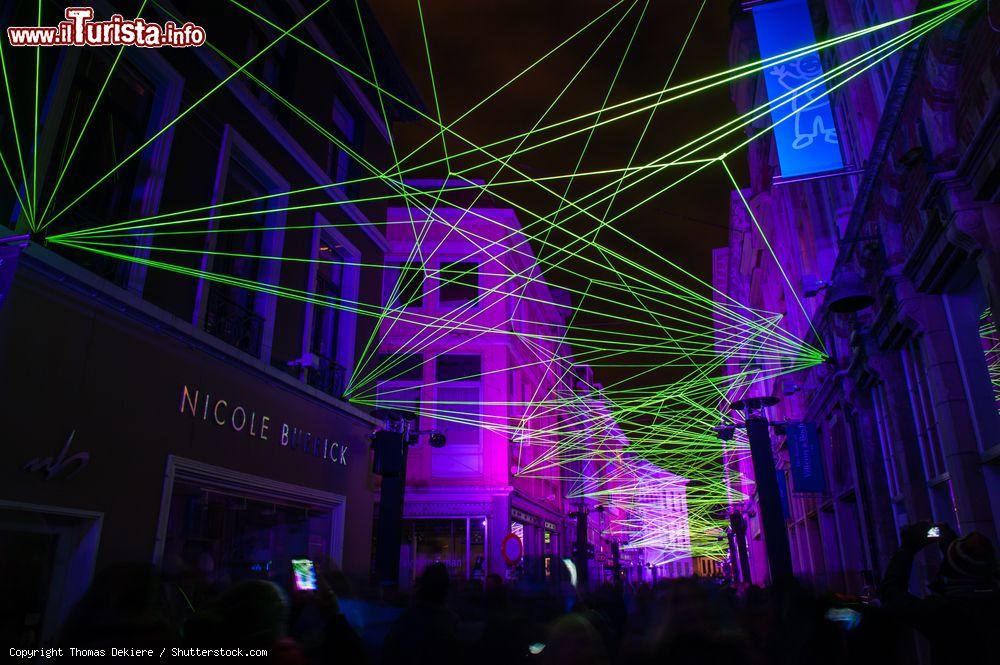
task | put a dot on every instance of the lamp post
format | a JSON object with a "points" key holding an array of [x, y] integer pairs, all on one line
{"points": [[779, 558], [582, 549], [739, 558], [391, 443]]}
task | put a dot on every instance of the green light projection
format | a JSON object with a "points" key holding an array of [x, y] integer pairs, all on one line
{"points": [[684, 348]]}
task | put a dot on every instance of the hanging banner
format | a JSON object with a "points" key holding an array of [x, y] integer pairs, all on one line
{"points": [[807, 141], [806, 458]]}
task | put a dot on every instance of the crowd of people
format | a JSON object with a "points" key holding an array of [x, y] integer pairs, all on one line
{"points": [[497, 621]]}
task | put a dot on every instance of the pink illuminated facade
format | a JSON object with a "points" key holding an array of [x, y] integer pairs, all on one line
{"points": [[472, 381], [471, 340]]}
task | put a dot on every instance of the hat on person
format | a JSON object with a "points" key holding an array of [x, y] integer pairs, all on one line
{"points": [[971, 556]]}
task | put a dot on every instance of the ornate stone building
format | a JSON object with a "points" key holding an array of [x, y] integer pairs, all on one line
{"points": [[906, 407]]}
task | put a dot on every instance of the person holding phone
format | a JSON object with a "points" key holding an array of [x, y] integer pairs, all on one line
{"points": [[961, 614], [316, 620]]}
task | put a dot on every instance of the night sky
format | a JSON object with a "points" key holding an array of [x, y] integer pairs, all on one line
{"points": [[477, 46]]}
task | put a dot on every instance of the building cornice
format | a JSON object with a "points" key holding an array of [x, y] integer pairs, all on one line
{"points": [[894, 102]]}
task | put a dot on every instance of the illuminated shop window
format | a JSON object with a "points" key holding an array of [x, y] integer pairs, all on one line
{"points": [[218, 537], [458, 543]]}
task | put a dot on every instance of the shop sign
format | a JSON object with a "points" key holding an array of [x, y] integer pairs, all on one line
{"points": [[253, 425], [550, 526], [522, 516]]}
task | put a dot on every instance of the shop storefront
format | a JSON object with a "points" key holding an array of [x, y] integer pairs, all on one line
{"points": [[460, 528], [130, 436], [541, 532], [457, 542]]}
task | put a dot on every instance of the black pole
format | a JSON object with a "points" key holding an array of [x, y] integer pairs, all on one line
{"points": [[616, 562], [772, 518], [864, 498], [738, 535], [390, 461], [581, 549], [734, 564]]}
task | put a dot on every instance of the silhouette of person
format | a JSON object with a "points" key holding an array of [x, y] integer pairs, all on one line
{"points": [[427, 632], [961, 615]]}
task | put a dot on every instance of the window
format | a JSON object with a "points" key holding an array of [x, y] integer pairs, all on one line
{"points": [[928, 437], [273, 69], [404, 284], [400, 376], [243, 252], [231, 312], [923, 410], [326, 374], [243, 526], [457, 543], [458, 368], [459, 396], [885, 438], [401, 366], [338, 162], [459, 281], [115, 131], [881, 74]]}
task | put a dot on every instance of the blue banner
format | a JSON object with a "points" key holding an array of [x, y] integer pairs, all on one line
{"points": [[806, 458], [807, 141]]}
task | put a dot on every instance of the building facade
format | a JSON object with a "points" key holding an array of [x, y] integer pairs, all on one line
{"points": [[471, 341], [161, 402], [452, 347], [906, 406]]}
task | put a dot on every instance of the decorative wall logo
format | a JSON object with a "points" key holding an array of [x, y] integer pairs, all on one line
{"points": [[55, 466], [79, 29]]}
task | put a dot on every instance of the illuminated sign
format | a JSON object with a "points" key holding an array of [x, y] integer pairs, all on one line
{"points": [[246, 421], [807, 141]]}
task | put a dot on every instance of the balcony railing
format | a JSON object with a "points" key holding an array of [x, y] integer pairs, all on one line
{"points": [[233, 323], [326, 376]]}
